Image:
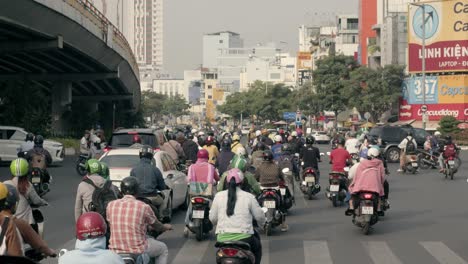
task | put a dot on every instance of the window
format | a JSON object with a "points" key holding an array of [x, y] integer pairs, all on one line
{"points": [[221, 41], [210, 86], [353, 39], [9, 133], [210, 97]]}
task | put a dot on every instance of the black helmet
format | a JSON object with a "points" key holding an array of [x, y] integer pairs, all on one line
{"points": [[226, 144], [29, 137], [285, 147], [310, 140], [171, 136], [373, 141], [146, 152], [448, 137], [341, 141], [39, 140], [260, 146], [409, 134], [267, 155], [189, 136], [129, 185]]}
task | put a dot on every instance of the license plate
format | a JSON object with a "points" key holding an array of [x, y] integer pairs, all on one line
{"points": [[334, 188], [414, 164], [36, 180], [367, 210], [283, 191], [198, 214], [269, 204], [310, 179], [451, 162]]}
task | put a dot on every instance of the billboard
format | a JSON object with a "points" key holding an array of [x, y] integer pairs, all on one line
{"points": [[304, 60], [442, 89], [446, 42], [435, 112]]}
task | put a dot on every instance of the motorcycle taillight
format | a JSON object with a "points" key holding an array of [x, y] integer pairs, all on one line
{"points": [[106, 149], [230, 252], [368, 196], [198, 200], [270, 193]]}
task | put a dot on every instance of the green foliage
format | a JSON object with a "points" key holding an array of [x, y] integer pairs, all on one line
{"points": [[157, 105], [448, 125], [68, 142]]}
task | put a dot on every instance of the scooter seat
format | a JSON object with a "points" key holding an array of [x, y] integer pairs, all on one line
{"points": [[239, 244]]}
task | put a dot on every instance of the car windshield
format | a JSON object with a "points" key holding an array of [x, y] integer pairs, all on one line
{"points": [[126, 140], [123, 161]]}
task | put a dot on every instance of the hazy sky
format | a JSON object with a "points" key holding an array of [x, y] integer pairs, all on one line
{"points": [[185, 22]]}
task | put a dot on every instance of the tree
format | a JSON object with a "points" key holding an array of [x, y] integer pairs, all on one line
{"points": [[448, 125], [330, 78], [155, 105]]}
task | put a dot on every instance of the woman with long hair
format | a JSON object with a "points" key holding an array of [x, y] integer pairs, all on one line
{"points": [[234, 210]]}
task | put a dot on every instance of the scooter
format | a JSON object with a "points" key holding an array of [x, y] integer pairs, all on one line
{"points": [[296, 163], [80, 165], [270, 201], [309, 185], [234, 252], [411, 164], [40, 184], [336, 191], [450, 167], [427, 160], [365, 215], [199, 222]]}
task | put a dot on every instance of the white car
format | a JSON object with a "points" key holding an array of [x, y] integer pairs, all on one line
{"points": [[321, 137], [121, 161], [11, 139]]}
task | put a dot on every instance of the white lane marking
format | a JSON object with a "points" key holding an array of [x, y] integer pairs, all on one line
{"points": [[265, 251], [380, 253], [442, 253], [192, 252], [316, 252]]}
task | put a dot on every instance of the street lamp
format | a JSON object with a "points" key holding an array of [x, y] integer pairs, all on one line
{"points": [[423, 62]]}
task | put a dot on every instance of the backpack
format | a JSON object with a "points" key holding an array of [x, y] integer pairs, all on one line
{"points": [[450, 150], [410, 147], [101, 197], [38, 160]]}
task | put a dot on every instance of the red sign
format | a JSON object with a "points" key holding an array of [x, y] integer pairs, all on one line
{"points": [[434, 111], [440, 56]]}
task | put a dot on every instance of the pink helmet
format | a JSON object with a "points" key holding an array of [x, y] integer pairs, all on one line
{"points": [[203, 154], [90, 225], [236, 174]]}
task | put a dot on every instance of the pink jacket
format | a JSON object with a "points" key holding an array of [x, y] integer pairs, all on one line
{"points": [[202, 171], [370, 175]]}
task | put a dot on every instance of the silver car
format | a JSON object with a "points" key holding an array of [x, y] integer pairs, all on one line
{"points": [[12, 137]]}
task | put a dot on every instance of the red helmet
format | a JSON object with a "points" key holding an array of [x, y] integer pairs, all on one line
{"points": [[136, 139], [209, 140], [203, 154], [90, 225]]}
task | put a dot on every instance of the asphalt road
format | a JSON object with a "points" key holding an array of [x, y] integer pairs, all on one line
{"points": [[427, 223]]}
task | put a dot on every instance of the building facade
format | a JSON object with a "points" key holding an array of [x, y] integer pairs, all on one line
{"points": [[215, 42], [347, 36], [367, 36], [170, 87]]}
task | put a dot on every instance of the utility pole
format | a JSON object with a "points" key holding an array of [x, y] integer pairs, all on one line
{"points": [[424, 61]]}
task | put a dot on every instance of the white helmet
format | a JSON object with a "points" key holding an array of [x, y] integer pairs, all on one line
{"points": [[258, 133], [278, 138], [373, 153], [194, 131], [201, 133], [241, 151], [294, 134], [437, 134]]}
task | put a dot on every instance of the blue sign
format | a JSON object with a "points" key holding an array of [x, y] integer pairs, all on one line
{"points": [[413, 90], [430, 21], [289, 115]]}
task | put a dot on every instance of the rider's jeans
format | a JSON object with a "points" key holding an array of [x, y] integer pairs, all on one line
{"points": [[157, 249]]}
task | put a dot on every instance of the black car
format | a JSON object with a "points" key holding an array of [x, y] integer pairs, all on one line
{"points": [[389, 137], [123, 138]]}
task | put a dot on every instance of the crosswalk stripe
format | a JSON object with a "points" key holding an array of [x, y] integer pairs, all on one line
{"points": [[380, 253], [442, 253], [192, 252], [316, 252], [265, 251]]}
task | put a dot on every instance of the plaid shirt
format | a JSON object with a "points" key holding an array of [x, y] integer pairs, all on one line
{"points": [[129, 219]]}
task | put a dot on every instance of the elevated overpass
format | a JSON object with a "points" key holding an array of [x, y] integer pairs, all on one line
{"points": [[71, 50]]}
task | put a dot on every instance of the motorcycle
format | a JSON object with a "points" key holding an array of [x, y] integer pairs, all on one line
{"points": [[427, 160], [40, 184], [234, 252], [200, 223], [336, 191], [309, 185], [30, 252], [270, 201], [81, 164], [450, 167], [365, 215], [411, 164], [296, 166]]}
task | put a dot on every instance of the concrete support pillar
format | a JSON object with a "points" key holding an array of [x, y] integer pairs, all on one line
{"points": [[61, 98]]}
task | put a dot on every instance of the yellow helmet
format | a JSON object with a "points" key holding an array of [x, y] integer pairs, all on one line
{"points": [[3, 191]]}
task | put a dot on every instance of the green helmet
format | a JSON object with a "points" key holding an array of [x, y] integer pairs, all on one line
{"points": [[104, 170], [239, 162], [19, 167], [93, 166]]}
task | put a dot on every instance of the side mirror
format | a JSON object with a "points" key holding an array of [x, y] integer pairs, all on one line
{"points": [[285, 170], [62, 252]]}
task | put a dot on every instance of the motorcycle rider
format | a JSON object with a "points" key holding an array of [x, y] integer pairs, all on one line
{"points": [[268, 174], [448, 149], [90, 246], [233, 211], [236, 142], [19, 169], [285, 160], [257, 154], [39, 157], [276, 148], [85, 190], [352, 143], [310, 155], [340, 157], [129, 220], [28, 143], [28, 234], [201, 175], [150, 178], [11, 244], [249, 184], [85, 143], [369, 176], [212, 149], [190, 148], [258, 138], [224, 157], [174, 149], [295, 143], [408, 147]]}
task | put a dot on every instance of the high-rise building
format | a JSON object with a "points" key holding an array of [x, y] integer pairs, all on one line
{"points": [[347, 37], [214, 43], [367, 36]]}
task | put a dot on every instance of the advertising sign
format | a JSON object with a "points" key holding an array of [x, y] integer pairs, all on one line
{"points": [[304, 60], [434, 112], [445, 32], [444, 89], [289, 115]]}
